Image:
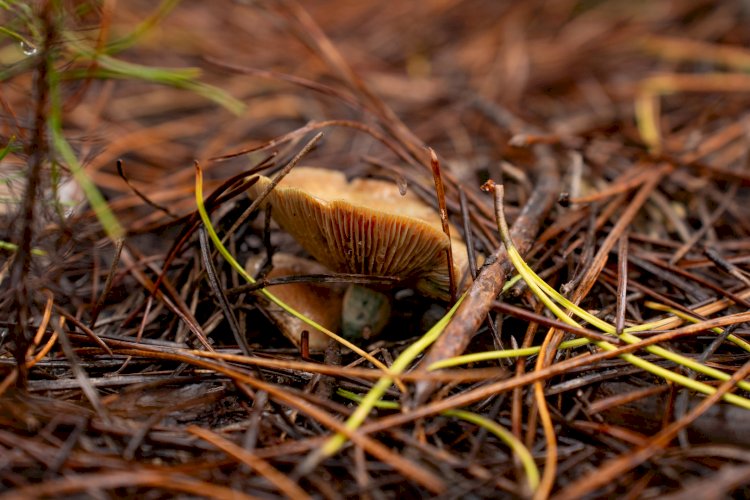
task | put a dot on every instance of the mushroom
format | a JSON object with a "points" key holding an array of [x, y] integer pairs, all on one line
{"points": [[320, 303], [365, 226]]}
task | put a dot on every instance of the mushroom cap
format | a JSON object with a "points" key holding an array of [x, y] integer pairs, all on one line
{"points": [[365, 226], [320, 303]]}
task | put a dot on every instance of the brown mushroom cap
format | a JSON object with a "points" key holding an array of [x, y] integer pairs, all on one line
{"points": [[320, 303], [365, 226]]}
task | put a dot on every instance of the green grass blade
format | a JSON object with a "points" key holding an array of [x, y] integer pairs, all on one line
{"points": [[144, 27], [106, 217], [516, 446], [8, 148], [399, 365], [530, 276], [503, 354], [108, 67], [12, 247], [539, 287], [741, 343]]}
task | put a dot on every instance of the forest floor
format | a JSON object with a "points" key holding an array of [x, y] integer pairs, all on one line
{"points": [[136, 360]]}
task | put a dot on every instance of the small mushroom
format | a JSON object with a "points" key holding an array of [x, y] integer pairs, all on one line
{"points": [[320, 303], [365, 226]]}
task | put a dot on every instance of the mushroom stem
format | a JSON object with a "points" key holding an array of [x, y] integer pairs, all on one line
{"points": [[364, 312]]}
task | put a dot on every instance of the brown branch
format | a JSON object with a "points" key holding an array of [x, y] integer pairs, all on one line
{"points": [[491, 278]]}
